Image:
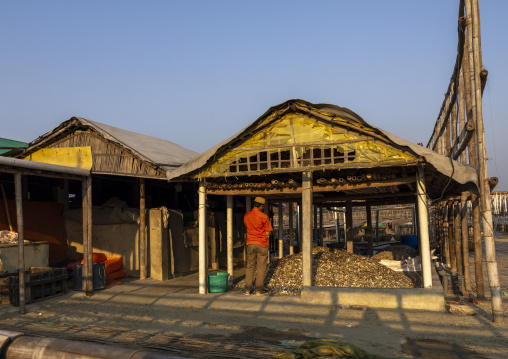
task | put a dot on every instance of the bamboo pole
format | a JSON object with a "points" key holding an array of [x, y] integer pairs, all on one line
{"points": [[6, 207], [447, 132], [465, 240], [451, 239], [461, 106], [349, 226], [473, 160], [440, 229], [142, 231], [21, 241], [478, 250], [423, 228], [453, 119], [202, 238], [488, 231], [457, 234], [281, 231], [229, 200], [307, 228], [291, 229]]}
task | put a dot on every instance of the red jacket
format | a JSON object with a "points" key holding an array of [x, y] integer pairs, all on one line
{"points": [[257, 224]]}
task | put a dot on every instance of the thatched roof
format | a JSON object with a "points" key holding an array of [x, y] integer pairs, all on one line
{"points": [[463, 175], [155, 151]]}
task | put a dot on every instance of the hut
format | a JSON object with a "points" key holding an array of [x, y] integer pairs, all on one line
{"points": [[127, 176], [321, 155]]}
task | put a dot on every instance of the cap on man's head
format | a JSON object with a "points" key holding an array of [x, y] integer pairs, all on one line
{"points": [[260, 200]]}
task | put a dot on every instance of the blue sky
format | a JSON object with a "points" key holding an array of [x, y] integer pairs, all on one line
{"points": [[197, 72]]}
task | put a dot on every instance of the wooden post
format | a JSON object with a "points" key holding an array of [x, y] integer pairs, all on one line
{"points": [[451, 239], [368, 208], [271, 244], [300, 227], [461, 104], [307, 228], [473, 161], [321, 231], [315, 227], [87, 236], [349, 226], [447, 132], [142, 231], [465, 240], [457, 234], [423, 227], [281, 231], [291, 229], [437, 229], [413, 220], [337, 225], [6, 207], [21, 241], [229, 200], [66, 194], [377, 226], [488, 230], [248, 204], [202, 238], [248, 208]]}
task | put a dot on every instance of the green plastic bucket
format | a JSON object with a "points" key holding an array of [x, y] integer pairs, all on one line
{"points": [[218, 282]]}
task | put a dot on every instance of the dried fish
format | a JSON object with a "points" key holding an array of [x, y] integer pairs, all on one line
{"points": [[330, 268], [396, 252]]}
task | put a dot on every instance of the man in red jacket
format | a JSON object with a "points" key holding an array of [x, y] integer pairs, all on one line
{"points": [[258, 231]]}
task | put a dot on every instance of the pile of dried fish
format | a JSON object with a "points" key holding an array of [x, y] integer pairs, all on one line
{"points": [[396, 252], [330, 268]]}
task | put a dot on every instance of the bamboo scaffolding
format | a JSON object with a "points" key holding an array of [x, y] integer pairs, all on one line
{"points": [[488, 230]]}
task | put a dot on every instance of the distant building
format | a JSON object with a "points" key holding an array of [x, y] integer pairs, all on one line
{"points": [[7, 145]]}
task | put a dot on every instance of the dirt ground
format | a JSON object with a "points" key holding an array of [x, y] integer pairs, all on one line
{"points": [[171, 317]]}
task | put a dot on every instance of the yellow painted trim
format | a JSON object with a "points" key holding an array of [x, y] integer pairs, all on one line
{"points": [[77, 157]]}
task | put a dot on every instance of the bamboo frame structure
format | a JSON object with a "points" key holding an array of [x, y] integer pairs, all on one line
{"points": [[454, 135]]}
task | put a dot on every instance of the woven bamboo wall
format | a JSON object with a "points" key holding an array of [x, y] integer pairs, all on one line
{"points": [[108, 157]]}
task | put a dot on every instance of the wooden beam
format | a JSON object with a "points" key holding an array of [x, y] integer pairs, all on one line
{"points": [[342, 166], [315, 188], [317, 143]]}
